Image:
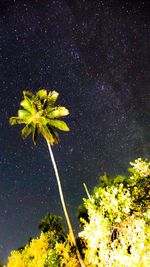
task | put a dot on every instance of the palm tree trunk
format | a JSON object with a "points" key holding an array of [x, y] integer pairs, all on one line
{"points": [[63, 204]]}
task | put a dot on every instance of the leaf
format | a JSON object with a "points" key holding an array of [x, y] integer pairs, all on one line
{"points": [[54, 133], [42, 94], [58, 112], [52, 97], [48, 111], [28, 94], [17, 120], [38, 104], [26, 131], [47, 134], [61, 125], [104, 179], [43, 120], [119, 179], [26, 104], [35, 133], [23, 113]]}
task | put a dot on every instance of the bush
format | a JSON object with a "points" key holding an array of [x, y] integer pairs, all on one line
{"points": [[34, 254], [118, 231]]}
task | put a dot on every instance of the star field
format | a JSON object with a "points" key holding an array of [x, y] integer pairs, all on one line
{"points": [[95, 54]]}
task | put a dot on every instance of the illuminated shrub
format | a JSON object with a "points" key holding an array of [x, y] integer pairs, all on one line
{"points": [[67, 254], [16, 260], [34, 254], [45, 251], [118, 231]]}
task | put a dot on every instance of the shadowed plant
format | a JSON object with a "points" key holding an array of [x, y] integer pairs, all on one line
{"points": [[53, 222]]}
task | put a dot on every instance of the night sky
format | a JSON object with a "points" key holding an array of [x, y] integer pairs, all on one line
{"points": [[95, 54]]}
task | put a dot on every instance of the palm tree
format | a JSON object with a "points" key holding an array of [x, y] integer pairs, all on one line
{"points": [[53, 222], [41, 116]]}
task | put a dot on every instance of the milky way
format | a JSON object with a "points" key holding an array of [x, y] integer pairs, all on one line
{"points": [[95, 54]]}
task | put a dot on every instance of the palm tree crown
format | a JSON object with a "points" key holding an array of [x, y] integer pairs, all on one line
{"points": [[40, 115]]}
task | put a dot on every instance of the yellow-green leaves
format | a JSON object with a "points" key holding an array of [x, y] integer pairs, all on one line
{"points": [[13, 120], [26, 131], [42, 94], [118, 226], [26, 104], [40, 115], [28, 94], [52, 97], [43, 120], [17, 120], [47, 134], [23, 113], [57, 112], [61, 125]]}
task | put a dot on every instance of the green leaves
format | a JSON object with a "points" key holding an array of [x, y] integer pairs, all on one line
{"points": [[118, 225], [26, 104], [43, 120], [42, 94], [61, 125], [40, 115], [52, 98], [28, 94], [23, 113], [26, 131], [47, 134], [35, 133], [57, 112], [17, 120]]}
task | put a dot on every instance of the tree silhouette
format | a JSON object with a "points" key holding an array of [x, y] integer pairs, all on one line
{"points": [[52, 222]]}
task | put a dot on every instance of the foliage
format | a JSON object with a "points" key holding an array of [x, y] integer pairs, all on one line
{"points": [[34, 254], [116, 228], [67, 254], [53, 259], [45, 251], [40, 115], [118, 233], [52, 222], [82, 213]]}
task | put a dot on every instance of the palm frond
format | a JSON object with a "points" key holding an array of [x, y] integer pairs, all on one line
{"points": [[43, 120], [42, 94], [54, 133], [46, 134], [26, 131], [23, 113], [52, 98], [35, 133], [17, 120], [27, 105], [28, 94], [57, 112], [49, 110], [61, 125]]}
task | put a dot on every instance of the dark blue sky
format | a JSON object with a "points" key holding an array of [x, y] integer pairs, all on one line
{"points": [[95, 54]]}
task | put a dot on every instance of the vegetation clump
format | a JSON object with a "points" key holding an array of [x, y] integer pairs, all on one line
{"points": [[115, 227], [118, 231]]}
